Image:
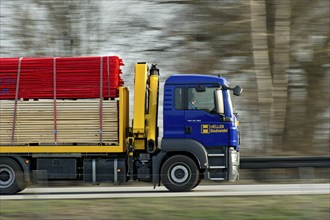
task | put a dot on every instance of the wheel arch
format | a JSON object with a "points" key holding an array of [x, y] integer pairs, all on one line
{"points": [[170, 147], [184, 153]]}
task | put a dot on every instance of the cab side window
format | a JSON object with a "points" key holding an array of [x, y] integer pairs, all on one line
{"points": [[201, 100], [178, 98]]}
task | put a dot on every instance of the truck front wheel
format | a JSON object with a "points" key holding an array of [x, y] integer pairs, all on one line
{"points": [[11, 176], [179, 174]]}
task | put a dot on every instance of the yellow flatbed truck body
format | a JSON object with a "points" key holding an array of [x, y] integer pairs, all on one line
{"points": [[48, 149]]}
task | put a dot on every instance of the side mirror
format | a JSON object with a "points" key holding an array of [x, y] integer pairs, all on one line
{"points": [[237, 90], [225, 118]]}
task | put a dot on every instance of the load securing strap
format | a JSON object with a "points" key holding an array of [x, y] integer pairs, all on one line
{"points": [[54, 98], [16, 100]]}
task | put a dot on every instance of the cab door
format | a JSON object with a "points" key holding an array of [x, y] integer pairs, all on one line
{"points": [[174, 111], [206, 123]]}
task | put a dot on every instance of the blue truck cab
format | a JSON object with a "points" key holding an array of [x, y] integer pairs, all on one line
{"points": [[200, 123]]}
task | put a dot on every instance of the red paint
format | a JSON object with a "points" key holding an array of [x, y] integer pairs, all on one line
{"points": [[76, 77]]}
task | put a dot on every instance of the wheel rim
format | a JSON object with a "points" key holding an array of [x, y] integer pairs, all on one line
{"points": [[7, 176], [180, 174]]}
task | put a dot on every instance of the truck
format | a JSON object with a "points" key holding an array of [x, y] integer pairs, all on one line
{"points": [[199, 143]]}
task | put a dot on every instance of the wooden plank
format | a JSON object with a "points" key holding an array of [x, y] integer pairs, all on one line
{"points": [[78, 121]]}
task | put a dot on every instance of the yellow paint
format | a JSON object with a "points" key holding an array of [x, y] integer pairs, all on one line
{"points": [[61, 149], [140, 87], [139, 144], [205, 129], [153, 103], [217, 128], [123, 116]]}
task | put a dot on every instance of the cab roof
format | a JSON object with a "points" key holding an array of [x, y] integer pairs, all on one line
{"points": [[195, 79]]}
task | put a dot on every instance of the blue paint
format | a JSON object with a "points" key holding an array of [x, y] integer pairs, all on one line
{"points": [[4, 91], [6, 82], [206, 126]]}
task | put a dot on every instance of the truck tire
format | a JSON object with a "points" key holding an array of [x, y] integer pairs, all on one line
{"points": [[198, 182], [11, 177], [179, 174]]}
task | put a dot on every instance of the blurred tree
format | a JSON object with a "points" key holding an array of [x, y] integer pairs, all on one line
{"points": [[308, 121], [281, 63], [294, 104], [54, 27], [23, 27], [261, 64], [71, 23]]}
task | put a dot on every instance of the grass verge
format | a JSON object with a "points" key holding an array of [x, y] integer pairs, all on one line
{"points": [[247, 207]]}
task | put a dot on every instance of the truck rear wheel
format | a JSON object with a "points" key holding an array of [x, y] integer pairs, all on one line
{"points": [[179, 174], [11, 177]]}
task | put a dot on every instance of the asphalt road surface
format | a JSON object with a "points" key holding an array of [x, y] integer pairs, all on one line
{"points": [[97, 192]]}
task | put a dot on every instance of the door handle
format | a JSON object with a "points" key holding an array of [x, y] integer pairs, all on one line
{"points": [[188, 129]]}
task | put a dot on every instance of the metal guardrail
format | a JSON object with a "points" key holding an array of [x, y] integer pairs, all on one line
{"points": [[284, 162]]}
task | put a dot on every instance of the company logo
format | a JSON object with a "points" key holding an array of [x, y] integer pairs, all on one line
{"points": [[205, 129], [208, 129]]}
